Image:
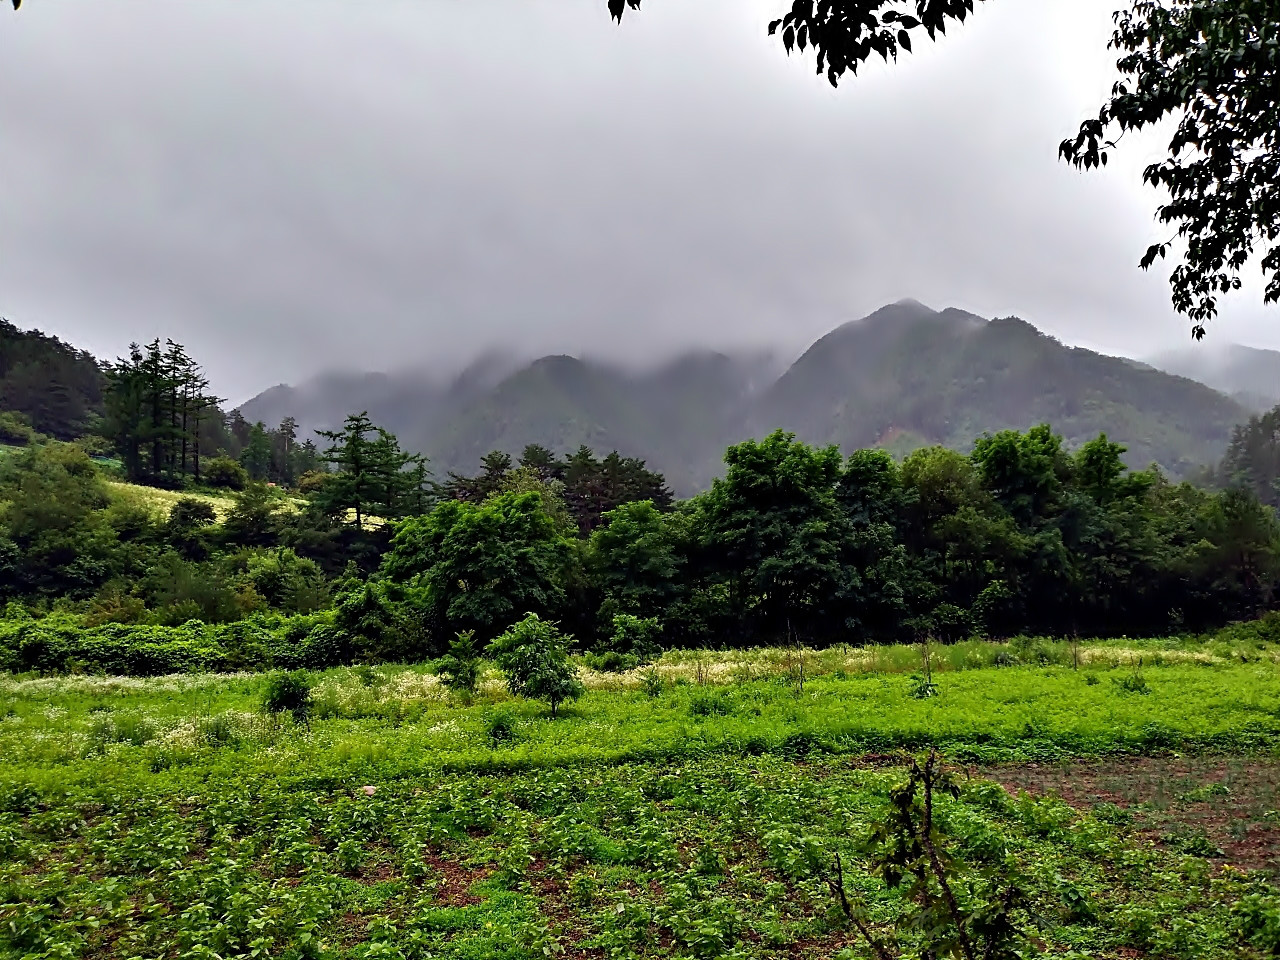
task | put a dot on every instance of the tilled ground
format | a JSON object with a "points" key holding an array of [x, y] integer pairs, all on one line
{"points": [[1226, 809]]}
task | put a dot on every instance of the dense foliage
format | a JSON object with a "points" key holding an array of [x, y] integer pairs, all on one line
{"points": [[56, 388], [1253, 458], [353, 553], [587, 485], [793, 545]]}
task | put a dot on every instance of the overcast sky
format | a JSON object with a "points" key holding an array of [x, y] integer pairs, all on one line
{"points": [[289, 186]]}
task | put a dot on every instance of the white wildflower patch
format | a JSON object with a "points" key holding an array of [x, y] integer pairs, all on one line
{"points": [[104, 686]]}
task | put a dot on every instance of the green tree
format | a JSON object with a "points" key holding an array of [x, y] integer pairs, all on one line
{"points": [[188, 527], [354, 484], [156, 402], [459, 669], [254, 518], [1253, 458], [399, 479], [227, 473], [474, 566], [256, 456], [775, 530], [637, 561], [534, 656]]}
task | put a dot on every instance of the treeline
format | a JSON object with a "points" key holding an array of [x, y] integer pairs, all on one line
{"points": [[794, 544], [1252, 460], [584, 485], [797, 544], [170, 431], [54, 388]]}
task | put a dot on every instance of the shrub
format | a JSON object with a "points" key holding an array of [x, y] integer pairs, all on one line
{"points": [[652, 683], [710, 705], [1133, 683], [1257, 919], [54, 645], [225, 473], [611, 661], [288, 692], [500, 726], [534, 656], [190, 514], [15, 429], [285, 580], [459, 669], [637, 636], [311, 481], [114, 604]]}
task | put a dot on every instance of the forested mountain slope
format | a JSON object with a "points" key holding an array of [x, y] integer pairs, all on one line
{"points": [[903, 377], [57, 387], [1249, 374], [947, 377]]}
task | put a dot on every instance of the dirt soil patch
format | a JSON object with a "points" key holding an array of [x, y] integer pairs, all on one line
{"points": [[1226, 809]]}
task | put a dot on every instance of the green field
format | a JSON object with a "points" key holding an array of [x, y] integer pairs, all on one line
{"points": [[690, 817]]}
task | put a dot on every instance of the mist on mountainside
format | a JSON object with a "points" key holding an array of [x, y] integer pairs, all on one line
{"points": [[903, 377], [1249, 374]]}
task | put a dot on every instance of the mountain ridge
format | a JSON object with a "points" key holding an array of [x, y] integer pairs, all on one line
{"points": [[903, 376]]}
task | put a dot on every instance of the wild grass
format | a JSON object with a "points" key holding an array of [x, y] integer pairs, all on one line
{"points": [[162, 501], [683, 815]]}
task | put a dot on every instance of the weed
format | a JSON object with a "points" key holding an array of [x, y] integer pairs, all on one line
{"points": [[921, 688], [652, 683], [1133, 682], [288, 692], [611, 661], [709, 705], [500, 726]]}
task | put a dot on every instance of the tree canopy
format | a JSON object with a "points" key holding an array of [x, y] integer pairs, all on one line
{"points": [[1211, 67]]}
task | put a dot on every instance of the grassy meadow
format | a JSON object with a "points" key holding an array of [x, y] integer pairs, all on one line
{"points": [[678, 810]]}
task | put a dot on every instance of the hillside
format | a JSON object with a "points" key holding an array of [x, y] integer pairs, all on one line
{"points": [[1250, 375], [902, 377], [678, 417], [55, 386], [947, 377]]}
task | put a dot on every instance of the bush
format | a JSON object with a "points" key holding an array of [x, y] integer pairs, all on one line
{"points": [[285, 580], [55, 645], [710, 705], [611, 661], [190, 514], [1257, 919], [311, 481], [225, 473], [288, 692], [652, 683], [1133, 683], [534, 655], [637, 636], [500, 726], [15, 429], [61, 643], [459, 669]]}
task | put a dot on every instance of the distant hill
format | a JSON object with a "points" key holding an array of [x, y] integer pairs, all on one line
{"points": [[947, 377], [1249, 374], [903, 377], [678, 417]]}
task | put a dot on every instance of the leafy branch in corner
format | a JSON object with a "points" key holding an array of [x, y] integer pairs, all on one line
{"points": [[1211, 67]]}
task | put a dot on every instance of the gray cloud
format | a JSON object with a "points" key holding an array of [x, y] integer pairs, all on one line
{"points": [[288, 187]]}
